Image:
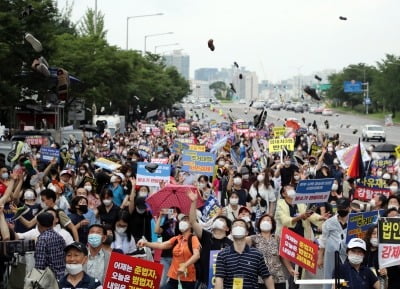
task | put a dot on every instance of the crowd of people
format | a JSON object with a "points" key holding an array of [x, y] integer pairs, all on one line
{"points": [[78, 213]]}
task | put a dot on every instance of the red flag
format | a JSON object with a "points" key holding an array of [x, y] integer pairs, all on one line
{"points": [[356, 168]]}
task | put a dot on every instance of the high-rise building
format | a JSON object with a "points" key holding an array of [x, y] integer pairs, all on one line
{"points": [[180, 61], [206, 74], [246, 87]]}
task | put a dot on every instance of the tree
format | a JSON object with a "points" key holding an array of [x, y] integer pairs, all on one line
{"points": [[93, 25], [220, 90]]}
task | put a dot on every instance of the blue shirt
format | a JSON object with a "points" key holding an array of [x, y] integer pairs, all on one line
{"points": [[247, 265], [118, 194], [362, 279], [87, 282]]}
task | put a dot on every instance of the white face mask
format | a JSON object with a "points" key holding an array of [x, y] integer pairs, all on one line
{"points": [[372, 202], [238, 232], [393, 189], [393, 206], [335, 187], [296, 177], [260, 178], [183, 226], [74, 269], [142, 194], [218, 224], [355, 259], [221, 163], [379, 173], [113, 179], [237, 181], [82, 172], [291, 193], [107, 202], [233, 201], [265, 226], [202, 185], [246, 219], [330, 149], [374, 242], [120, 230], [88, 188]]}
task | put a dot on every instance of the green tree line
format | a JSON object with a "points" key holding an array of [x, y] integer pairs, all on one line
{"points": [[108, 74], [383, 80]]}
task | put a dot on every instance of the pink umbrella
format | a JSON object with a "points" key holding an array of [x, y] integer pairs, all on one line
{"points": [[173, 196]]}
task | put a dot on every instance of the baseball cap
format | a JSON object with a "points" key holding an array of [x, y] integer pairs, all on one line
{"points": [[244, 209], [357, 243], [63, 172], [121, 175], [29, 195], [78, 246]]}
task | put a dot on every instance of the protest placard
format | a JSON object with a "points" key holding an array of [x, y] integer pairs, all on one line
{"points": [[37, 140], [179, 146], [170, 127], [279, 131], [106, 164], [152, 179], [183, 128], [198, 162], [159, 161], [370, 186], [127, 272], [389, 242], [298, 250], [359, 223], [315, 150], [210, 209], [397, 151], [212, 269], [48, 153], [313, 191], [383, 164], [277, 144], [197, 148]]}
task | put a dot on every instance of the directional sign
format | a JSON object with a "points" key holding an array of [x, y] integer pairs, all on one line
{"points": [[353, 86]]}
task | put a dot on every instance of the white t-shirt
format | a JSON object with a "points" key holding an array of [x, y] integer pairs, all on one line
{"points": [[34, 233], [268, 194]]}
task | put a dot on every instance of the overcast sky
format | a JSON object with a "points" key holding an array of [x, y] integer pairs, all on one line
{"points": [[275, 38]]}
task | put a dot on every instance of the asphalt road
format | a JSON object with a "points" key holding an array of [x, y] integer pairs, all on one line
{"points": [[343, 123]]}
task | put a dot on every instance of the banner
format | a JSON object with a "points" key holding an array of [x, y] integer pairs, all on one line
{"points": [[385, 164], [313, 191], [256, 147], [279, 131], [170, 127], [198, 162], [159, 161], [345, 156], [370, 186], [315, 150], [197, 148], [179, 146], [298, 250], [210, 209], [397, 151], [359, 223], [152, 179], [389, 242], [277, 144], [183, 128], [37, 140], [106, 164], [212, 269], [48, 153], [127, 272]]}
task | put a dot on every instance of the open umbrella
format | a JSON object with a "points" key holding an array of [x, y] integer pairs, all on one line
{"points": [[385, 148], [293, 124], [172, 196]]}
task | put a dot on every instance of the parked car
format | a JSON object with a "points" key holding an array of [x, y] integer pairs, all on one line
{"points": [[299, 108], [178, 111], [242, 101], [258, 105], [373, 131], [327, 112], [275, 106], [318, 110], [197, 106]]}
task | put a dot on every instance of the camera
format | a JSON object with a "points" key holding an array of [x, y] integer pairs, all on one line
{"points": [[9, 248]]}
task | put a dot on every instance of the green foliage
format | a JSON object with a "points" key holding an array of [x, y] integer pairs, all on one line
{"points": [[221, 90], [93, 25]]}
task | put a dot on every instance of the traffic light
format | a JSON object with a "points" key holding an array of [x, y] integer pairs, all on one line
{"points": [[312, 92], [62, 84]]}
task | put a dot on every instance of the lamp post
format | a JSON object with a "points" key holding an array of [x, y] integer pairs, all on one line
{"points": [[164, 45], [153, 35], [136, 16]]}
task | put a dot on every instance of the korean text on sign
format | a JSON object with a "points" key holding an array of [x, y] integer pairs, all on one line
{"points": [[299, 250], [370, 186], [359, 223], [389, 242], [278, 144], [126, 272]]}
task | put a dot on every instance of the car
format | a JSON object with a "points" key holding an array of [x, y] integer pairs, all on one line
{"points": [[299, 108], [318, 110], [290, 106], [197, 106], [178, 111], [258, 105], [275, 106], [242, 101], [327, 112], [373, 131], [215, 101]]}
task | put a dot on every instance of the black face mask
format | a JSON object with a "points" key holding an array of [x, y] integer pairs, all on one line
{"points": [[343, 213], [83, 208]]}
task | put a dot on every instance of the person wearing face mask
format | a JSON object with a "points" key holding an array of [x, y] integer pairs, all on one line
{"points": [[232, 260], [262, 194], [98, 258], [185, 253], [142, 218], [215, 240], [204, 187], [77, 211], [4, 180], [337, 171], [231, 211], [329, 154], [29, 210], [394, 187], [356, 275], [378, 202], [245, 214], [76, 257], [107, 212], [285, 171], [167, 228], [371, 255], [268, 243], [116, 188], [393, 202], [92, 196], [124, 239], [235, 185], [333, 238]]}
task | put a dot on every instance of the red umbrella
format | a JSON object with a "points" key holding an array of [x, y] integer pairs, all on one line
{"points": [[293, 124], [172, 196]]}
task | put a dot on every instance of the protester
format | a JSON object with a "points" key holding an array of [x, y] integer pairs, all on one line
{"points": [[231, 211], [124, 240], [262, 194], [108, 211], [98, 258]]}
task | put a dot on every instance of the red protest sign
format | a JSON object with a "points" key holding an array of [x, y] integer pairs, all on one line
{"points": [[126, 272], [298, 250]]}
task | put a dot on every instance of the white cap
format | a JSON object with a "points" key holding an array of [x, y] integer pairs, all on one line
{"points": [[357, 243], [29, 195], [121, 175], [69, 172]]}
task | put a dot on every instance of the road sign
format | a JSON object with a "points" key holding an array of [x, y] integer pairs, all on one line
{"points": [[352, 86]]}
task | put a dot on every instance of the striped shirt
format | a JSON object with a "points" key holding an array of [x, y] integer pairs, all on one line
{"points": [[248, 265]]}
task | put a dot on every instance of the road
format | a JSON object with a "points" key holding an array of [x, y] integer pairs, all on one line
{"points": [[343, 123]]}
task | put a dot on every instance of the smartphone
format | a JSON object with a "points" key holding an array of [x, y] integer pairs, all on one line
{"points": [[167, 211]]}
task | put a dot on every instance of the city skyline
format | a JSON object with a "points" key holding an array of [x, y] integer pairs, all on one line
{"points": [[276, 39]]}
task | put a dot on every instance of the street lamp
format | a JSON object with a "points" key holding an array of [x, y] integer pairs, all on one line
{"points": [[164, 45], [136, 16], [153, 35]]}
